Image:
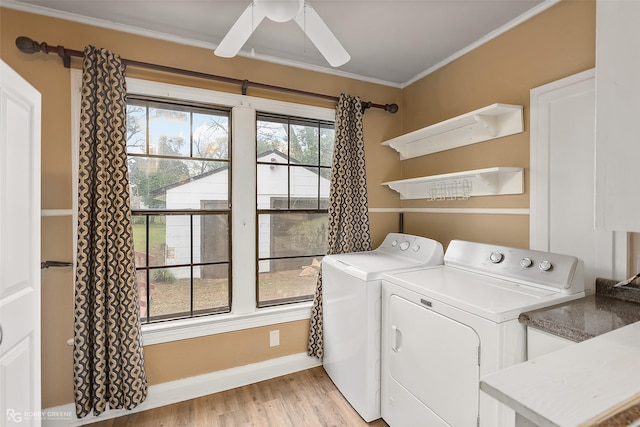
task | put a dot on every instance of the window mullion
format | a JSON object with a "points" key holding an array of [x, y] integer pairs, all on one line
{"points": [[243, 210], [192, 279]]}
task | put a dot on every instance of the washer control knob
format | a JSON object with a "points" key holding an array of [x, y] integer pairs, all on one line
{"points": [[394, 243], [404, 245], [526, 262], [415, 248], [545, 265], [496, 257]]}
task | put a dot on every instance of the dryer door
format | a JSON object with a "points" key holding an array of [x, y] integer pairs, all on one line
{"points": [[436, 360]]}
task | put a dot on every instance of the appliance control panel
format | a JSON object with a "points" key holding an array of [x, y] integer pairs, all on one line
{"points": [[417, 248], [563, 273]]}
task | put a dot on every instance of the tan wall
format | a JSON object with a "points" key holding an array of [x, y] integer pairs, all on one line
{"points": [[170, 361], [554, 44], [222, 351]]}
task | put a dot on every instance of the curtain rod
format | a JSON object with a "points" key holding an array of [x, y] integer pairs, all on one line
{"points": [[29, 46]]}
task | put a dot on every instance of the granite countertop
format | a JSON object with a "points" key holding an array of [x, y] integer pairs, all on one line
{"points": [[578, 320]]}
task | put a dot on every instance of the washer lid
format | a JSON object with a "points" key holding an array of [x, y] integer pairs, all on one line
{"points": [[368, 265], [495, 299], [398, 251]]}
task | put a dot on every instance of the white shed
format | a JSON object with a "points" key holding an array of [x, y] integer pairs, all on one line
{"points": [[210, 191]]}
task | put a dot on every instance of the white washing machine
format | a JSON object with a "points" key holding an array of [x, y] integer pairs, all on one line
{"points": [[446, 327], [351, 313]]}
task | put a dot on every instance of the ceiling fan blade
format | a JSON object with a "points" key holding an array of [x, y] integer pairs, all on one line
{"points": [[240, 31], [322, 37]]}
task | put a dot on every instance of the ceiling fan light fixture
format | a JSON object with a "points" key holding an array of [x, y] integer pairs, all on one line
{"points": [[280, 10]]}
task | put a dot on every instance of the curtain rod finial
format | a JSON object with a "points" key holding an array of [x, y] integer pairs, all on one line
{"points": [[27, 45], [391, 108]]}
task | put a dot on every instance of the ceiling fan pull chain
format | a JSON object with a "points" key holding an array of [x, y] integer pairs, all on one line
{"points": [[304, 30], [253, 20]]}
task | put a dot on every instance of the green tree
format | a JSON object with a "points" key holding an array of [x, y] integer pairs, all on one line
{"points": [[150, 174], [305, 143]]}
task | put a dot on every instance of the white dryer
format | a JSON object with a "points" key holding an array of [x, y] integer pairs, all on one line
{"points": [[351, 313], [446, 327]]}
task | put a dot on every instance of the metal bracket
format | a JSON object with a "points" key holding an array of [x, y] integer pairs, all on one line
{"points": [[47, 264], [66, 59]]}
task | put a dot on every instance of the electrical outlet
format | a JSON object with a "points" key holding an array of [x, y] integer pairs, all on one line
{"points": [[274, 338]]}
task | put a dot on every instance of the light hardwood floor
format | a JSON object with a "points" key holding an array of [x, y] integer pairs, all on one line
{"points": [[302, 399]]}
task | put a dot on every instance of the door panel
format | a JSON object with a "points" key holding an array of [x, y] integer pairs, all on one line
{"points": [[435, 359], [19, 250], [562, 186]]}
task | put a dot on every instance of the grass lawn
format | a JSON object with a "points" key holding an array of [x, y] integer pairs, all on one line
{"points": [[157, 238], [174, 297], [170, 298]]}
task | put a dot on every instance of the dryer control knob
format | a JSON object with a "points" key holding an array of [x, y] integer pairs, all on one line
{"points": [[415, 248], [496, 257], [404, 245], [545, 265], [526, 262]]}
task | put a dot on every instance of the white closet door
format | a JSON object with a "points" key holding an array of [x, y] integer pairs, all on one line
{"points": [[20, 400], [563, 178]]}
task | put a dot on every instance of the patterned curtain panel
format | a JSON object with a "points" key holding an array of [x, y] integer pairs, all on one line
{"points": [[348, 210], [108, 363]]}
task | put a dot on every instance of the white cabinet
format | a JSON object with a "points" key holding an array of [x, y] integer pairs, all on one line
{"points": [[540, 342], [575, 385], [617, 113]]}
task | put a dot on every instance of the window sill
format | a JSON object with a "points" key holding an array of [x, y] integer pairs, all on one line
{"points": [[164, 332]]}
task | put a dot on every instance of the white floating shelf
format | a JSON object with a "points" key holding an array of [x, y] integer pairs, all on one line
{"points": [[462, 185], [493, 121]]}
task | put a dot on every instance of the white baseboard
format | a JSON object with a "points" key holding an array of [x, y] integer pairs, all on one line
{"points": [[189, 388]]}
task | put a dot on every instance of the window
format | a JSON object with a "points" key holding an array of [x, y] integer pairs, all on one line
{"points": [[293, 160], [169, 153], [179, 166]]}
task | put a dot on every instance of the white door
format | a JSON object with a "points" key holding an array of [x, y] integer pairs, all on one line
{"points": [[20, 401], [562, 178], [433, 364]]}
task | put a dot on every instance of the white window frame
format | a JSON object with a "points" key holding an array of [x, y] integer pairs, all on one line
{"points": [[244, 313]]}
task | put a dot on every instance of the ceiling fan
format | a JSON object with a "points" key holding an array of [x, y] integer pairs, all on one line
{"points": [[283, 11]]}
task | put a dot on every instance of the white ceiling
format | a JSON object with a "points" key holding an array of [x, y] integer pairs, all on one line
{"points": [[392, 42]]}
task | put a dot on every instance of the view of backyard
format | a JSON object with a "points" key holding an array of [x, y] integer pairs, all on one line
{"points": [[171, 296], [180, 176]]}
